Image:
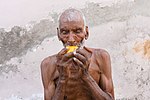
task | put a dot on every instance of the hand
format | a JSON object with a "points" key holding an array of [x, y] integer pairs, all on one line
{"points": [[64, 60], [82, 59]]}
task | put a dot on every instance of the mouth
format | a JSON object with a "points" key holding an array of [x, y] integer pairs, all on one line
{"points": [[75, 44], [70, 44]]}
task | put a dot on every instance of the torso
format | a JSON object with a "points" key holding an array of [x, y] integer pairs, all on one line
{"points": [[75, 88]]}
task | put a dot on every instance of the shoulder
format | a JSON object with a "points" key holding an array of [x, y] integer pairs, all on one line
{"points": [[102, 58], [104, 54], [105, 62], [48, 63], [100, 52], [47, 70]]}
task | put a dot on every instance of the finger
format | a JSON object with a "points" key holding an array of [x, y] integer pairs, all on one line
{"points": [[63, 51], [62, 67], [82, 52], [79, 63], [66, 63], [69, 61], [68, 56], [80, 58]]}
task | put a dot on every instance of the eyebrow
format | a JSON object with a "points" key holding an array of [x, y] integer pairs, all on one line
{"points": [[78, 28], [63, 29]]}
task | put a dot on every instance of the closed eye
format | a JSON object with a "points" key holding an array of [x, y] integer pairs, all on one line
{"points": [[78, 31], [64, 32]]}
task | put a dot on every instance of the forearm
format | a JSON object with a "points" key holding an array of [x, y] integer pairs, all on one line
{"points": [[60, 91], [97, 92]]}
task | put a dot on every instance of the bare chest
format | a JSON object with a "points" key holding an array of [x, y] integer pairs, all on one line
{"points": [[76, 89]]}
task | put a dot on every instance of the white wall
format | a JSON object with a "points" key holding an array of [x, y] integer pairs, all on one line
{"points": [[20, 12]]}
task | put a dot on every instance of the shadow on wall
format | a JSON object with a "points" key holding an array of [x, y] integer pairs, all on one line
{"points": [[17, 41]]}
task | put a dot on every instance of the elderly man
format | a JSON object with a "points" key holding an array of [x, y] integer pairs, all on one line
{"points": [[81, 75]]}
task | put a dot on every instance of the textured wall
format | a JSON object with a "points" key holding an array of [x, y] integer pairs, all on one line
{"points": [[121, 27]]}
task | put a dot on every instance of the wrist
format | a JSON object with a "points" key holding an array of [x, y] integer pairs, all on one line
{"points": [[86, 76]]}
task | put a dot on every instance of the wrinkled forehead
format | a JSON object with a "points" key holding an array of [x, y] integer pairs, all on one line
{"points": [[71, 17]]}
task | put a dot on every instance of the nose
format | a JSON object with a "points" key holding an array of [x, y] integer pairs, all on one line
{"points": [[71, 39]]}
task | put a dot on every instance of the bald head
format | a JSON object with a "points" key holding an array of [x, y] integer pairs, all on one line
{"points": [[72, 30], [71, 15]]}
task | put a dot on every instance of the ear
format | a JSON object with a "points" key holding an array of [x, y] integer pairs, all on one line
{"points": [[87, 32], [58, 33]]}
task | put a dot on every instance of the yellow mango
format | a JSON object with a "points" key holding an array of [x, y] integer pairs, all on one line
{"points": [[71, 48]]}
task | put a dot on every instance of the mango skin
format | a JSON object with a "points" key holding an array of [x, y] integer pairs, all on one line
{"points": [[71, 48]]}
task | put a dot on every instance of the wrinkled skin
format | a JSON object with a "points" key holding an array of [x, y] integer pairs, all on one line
{"points": [[84, 75]]}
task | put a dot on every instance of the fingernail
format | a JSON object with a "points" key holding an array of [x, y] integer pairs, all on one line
{"points": [[74, 52], [74, 58]]}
